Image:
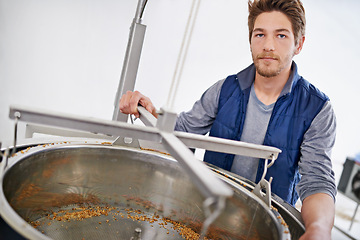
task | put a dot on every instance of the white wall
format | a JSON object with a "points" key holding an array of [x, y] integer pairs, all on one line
{"points": [[67, 55]]}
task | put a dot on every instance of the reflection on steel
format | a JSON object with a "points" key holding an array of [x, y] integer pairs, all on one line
{"points": [[137, 234], [120, 178], [208, 185]]}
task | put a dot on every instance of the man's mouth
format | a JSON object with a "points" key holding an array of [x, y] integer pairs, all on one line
{"points": [[270, 58], [267, 57]]}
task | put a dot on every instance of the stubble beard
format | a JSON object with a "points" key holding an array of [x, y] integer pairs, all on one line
{"points": [[267, 70]]}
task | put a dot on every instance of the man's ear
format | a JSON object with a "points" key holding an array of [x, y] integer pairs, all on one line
{"points": [[299, 45]]}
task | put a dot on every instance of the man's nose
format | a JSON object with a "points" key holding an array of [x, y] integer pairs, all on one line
{"points": [[269, 44]]}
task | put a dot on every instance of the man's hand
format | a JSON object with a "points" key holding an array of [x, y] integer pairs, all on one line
{"points": [[318, 212], [130, 101]]}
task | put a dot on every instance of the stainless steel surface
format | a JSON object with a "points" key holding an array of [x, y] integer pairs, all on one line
{"points": [[139, 10], [137, 234], [166, 120], [290, 214], [146, 117], [207, 184], [51, 180]]}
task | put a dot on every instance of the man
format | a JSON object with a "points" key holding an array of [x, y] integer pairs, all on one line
{"points": [[270, 103]]}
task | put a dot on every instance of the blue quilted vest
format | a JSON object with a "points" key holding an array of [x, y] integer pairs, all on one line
{"points": [[290, 119]]}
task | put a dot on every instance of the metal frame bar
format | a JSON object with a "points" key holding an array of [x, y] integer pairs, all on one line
{"points": [[213, 143], [207, 183], [189, 139], [92, 125], [36, 128]]}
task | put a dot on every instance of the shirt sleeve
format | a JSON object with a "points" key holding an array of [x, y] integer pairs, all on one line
{"points": [[200, 118], [315, 167]]}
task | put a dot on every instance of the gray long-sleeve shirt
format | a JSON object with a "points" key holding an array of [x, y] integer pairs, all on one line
{"points": [[315, 162]]}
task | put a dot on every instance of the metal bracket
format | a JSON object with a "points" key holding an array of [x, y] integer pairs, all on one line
{"points": [[166, 120], [266, 197], [17, 116], [137, 234], [210, 216], [263, 184], [126, 141], [5, 158]]}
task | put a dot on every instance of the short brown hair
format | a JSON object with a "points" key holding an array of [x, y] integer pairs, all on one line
{"points": [[293, 9]]}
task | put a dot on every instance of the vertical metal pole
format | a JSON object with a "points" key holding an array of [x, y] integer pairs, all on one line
{"points": [[183, 53], [352, 220], [131, 61]]}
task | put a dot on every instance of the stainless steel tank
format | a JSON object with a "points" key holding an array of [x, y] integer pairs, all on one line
{"points": [[91, 190]]}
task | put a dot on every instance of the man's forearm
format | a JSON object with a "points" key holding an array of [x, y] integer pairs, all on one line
{"points": [[318, 212]]}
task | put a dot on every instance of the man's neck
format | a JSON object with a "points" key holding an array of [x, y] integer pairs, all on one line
{"points": [[268, 89]]}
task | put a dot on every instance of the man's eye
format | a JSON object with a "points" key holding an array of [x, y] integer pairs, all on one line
{"points": [[259, 35], [282, 36]]}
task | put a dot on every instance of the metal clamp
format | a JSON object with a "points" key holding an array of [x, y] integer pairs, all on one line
{"points": [[137, 234], [263, 184], [210, 216], [17, 116], [5, 158], [6, 154], [166, 120]]}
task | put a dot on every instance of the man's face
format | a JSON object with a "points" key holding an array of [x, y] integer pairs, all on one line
{"points": [[273, 44]]}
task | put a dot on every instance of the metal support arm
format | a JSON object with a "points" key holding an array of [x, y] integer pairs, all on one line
{"points": [[131, 60], [208, 184], [175, 142], [213, 143]]}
